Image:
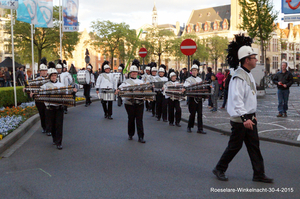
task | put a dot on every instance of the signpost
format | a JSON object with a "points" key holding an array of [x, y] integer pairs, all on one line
{"points": [[143, 53], [188, 47]]}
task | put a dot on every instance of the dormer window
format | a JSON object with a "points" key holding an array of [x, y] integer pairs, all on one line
{"points": [[216, 26], [206, 27], [208, 14], [200, 15]]}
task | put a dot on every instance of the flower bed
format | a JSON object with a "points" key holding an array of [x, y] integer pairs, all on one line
{"points": [[77, 99], [12, 118]]}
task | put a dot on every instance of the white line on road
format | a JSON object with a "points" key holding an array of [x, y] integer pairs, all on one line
{"points": [[298, 139], [278, 130]]}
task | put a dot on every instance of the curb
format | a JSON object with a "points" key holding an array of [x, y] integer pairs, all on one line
{"points": [[223, 132], [14, 136]]}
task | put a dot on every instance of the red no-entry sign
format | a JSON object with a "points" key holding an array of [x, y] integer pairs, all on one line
{"points": [[188, 47], [143, 52]]}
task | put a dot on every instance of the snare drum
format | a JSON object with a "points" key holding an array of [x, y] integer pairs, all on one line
{"points": [[108, 95], [83, 77]]}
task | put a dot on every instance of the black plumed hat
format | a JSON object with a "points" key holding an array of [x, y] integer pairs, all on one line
{"points": [[104, 63], [51, 65], [44, 61], [233, 48], [163, 66], [196, 62], [122, 65], [136, 63]]}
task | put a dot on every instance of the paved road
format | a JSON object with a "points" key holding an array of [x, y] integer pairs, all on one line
{"points": [[99, 162]]}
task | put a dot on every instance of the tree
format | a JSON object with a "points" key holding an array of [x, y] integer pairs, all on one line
{"points": [[217, 48], [112, 36], [46, 41], [158, 41], [258, 18]]}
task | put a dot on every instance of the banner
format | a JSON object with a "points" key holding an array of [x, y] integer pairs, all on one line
{"points": [[290, 7], [70, 15], [27, 11], [45, 14], [9, 4]]}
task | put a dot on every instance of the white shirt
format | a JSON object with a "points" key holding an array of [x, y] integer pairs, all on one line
{"points": [[191, 81], [130, 81], [92, 78], [51, 85], [160, 79], [146, 78], [169, 83], [65, 78], [103, 82], [241, 99]]}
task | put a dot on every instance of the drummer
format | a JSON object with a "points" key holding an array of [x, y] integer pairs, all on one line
{"points": [[161, 101], [134, 107], [195, 104], [152, 79], [107, 81], [173, 103]]}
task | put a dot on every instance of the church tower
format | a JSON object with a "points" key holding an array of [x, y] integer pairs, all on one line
{"points": [[154, 16]]}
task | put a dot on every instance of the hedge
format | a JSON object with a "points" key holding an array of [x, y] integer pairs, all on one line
{"points": [[7, 96]]}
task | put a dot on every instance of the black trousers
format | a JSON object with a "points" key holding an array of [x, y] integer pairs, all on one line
{"points": [[240, 134], [171, 106], [107, 107], [55, 118], [42, 112], [120, 101], [147, 105], [87, 93], [135, 115], [153, 107], [195, 106], [161, 106]]}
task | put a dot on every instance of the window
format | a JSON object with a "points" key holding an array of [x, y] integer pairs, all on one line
{"points": [[275, 62], [298, 56], [99, 56], [206, 27], [269, 46], [189, 29], [225, 24], [275, 45], [197, 28], [216, 26]]}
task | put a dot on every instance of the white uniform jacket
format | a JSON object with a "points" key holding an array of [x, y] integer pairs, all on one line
{"points": [[169, 83], [51, 85], [192, 80], [131, 82], [106, 80], [146, 78], [241, 98], [160, 79], [65, 78]]}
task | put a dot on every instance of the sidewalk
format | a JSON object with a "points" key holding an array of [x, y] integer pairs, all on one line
{"points": [[270, 128]]}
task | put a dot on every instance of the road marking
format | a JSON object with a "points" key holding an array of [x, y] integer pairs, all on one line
{"points": [[298, 139], [278, 130], [38, 169], [273, 125]]}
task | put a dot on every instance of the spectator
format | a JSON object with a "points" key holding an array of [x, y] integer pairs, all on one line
{"points": [[7, 77], [28, 75], [208, 78], [20, 77], [220, 78], [183, 75], [214, 97], [2, 78], [283, 80], [226, 81]]}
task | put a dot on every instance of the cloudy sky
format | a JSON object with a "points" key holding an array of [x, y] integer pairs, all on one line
{"points": [[138, 12]]}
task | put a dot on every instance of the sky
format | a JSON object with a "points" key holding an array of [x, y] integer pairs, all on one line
{"points": [[139, 12]]}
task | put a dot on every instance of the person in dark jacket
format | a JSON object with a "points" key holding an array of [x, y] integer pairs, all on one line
{"points": [[225, 86], [208, 78], [283, 80]]}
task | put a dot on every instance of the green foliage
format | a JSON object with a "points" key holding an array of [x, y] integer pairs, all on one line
{"points": [[46, 41], [158, 41], [217, 48], [7, 96], [113, 38], [258, 19]]}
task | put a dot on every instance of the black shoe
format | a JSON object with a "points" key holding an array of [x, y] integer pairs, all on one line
{"points": [[279, 115], [220, 175], [177, 124], [264, 179], [86, 105], [109, 117], [90, 103], [171, 124], [130, 138], [105, 116], [284, 115], [158, 119], [153, 115], [165, 120], [201, 132], [141, 140], [48, 133], [189, 130], [66, 112], [59, 147], [43, 131]]}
